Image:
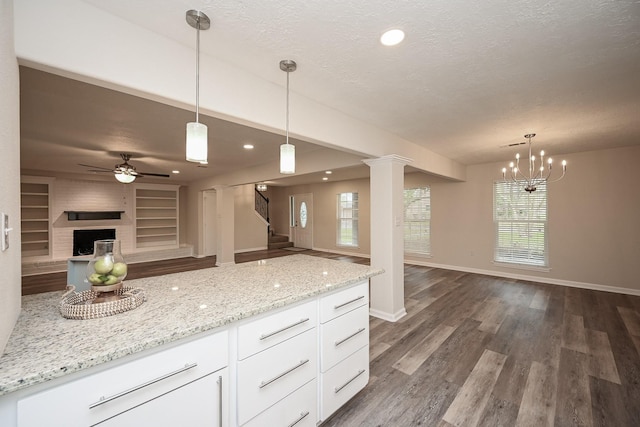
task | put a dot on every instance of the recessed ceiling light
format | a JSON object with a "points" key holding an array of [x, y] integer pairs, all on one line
{"points": [[392, 37], [176, 171], [325, 178], [248, 146], [328, 172]]}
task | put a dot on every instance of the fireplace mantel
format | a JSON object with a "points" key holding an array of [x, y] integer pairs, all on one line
{"points": [[93, 215]]}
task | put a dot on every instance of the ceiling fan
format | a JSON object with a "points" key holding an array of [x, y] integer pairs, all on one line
{"points": [[124, 172]]}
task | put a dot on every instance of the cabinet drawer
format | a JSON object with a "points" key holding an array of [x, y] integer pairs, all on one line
{"points": [[299, 409], [268, 331], [343, 336], [271, 375], [343, 381], [344, 301], [100, 396]]}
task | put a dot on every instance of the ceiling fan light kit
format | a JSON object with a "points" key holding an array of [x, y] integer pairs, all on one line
{"points": [[197, 141], [287, 151], [537, 174]]}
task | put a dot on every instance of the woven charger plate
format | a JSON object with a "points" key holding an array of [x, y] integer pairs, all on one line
{"points": [[78, 305]]}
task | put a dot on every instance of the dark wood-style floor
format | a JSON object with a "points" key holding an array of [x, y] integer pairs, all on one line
{"points": [[476, 350]]}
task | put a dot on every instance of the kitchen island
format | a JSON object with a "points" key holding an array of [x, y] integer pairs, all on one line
{"points": [[46, 350]]}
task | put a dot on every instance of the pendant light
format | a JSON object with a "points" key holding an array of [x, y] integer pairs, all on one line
{"points": [[197, 132], [287, 151]]}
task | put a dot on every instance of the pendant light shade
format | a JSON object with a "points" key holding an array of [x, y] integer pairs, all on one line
{"points": [[287, 158], [287, 151], [197, 140]]}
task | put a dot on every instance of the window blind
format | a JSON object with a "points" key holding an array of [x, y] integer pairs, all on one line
{"points": [[347, 219], [417, 220], [520, 220]]}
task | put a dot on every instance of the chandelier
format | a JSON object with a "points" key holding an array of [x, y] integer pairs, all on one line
{"points": [[536, 174]]}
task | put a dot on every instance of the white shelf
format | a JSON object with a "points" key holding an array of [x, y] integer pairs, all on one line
{"points": [[151, 201], [35, 199]]}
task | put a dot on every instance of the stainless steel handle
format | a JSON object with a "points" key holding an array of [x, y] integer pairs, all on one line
{"points": [[277, 377], [220, 400], [270, 334], [335, 307], [337, 389], [350, 336], [300, 418], [104, 400]]}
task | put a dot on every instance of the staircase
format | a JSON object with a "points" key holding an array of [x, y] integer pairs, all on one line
{"points": [[278, 241]]}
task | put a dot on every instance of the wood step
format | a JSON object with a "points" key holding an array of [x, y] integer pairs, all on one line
{"points": [[280, 245], [278, 238]]}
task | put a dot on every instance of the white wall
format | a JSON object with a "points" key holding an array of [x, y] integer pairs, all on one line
{"points": [[594, 220], [324, 212], [250, 232], [10, 287]]}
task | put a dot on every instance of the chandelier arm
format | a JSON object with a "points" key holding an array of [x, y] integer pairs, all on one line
{"points": [[561, 176]]}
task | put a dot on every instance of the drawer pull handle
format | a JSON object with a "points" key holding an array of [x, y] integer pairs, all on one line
{"points": [[220, 400], [350, 336], [337, 389], [270, 334], [335, 307], [300, 418], [104, 400], [277, 377]]}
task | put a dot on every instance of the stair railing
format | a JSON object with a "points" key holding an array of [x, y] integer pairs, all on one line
{"points": [[262, 206]]}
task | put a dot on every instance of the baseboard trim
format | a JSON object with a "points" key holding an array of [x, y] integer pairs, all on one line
{"points": [[259, 248], [388, 316], [335, 251], [538, 279]]}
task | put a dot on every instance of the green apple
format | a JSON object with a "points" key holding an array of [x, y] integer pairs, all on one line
{"points": [[103, 265], [95, 278], [119, 269], [111, 280]]}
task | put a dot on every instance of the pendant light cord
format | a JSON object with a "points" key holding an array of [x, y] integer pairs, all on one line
{"points": [[198, 72], [287, 107]]}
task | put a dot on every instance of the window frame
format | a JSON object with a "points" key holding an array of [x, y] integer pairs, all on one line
{"points": [[420, 248], [353, 220], [521, 232]]}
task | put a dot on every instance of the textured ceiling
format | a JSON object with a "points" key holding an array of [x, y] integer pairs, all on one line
{"points": [[469, 78]]}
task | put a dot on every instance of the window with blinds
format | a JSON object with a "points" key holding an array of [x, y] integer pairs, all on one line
{"points": [[347, 219], [520, 220], [417, 221]]}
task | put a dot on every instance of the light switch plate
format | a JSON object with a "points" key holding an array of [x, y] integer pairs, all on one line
{"points": [[4, 231]]}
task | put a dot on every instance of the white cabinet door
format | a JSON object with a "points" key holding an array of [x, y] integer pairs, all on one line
{"points": [[199, 403]]}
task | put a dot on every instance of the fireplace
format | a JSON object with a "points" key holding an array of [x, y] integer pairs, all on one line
{"points": [[83, 239]]}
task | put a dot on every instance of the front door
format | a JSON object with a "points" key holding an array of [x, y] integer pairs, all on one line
{"points": [[303, 220]]}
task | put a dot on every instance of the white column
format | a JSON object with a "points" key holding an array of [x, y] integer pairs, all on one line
{"points": [[225, 249], [387, 236]]}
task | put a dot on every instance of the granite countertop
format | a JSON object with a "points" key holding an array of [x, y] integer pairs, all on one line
{"points": [[44, 345]]}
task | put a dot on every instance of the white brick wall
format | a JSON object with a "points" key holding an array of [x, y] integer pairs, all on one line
{"points": [[85, 195]]}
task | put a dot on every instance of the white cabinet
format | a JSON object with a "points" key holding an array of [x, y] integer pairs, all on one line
{"points": [[299, 409], [344, 347], [175, 383], [278, 356]]}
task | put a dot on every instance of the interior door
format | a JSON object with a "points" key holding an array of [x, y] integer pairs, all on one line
{"points": [[303, 221], [209, 215]]}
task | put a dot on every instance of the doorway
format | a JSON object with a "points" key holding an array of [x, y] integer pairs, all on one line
{"points": [[302, 220]]}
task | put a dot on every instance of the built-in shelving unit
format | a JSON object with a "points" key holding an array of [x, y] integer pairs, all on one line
{"points": [[156, 215], [35, 202]]}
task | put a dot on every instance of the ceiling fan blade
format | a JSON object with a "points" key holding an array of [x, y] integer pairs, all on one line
{"points": [[163, 175], [96, 167], [99, 171]]}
